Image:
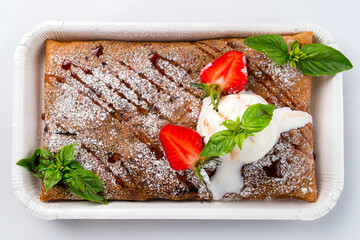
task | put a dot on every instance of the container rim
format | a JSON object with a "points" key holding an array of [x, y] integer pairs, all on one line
{"points": [[151, 31]]}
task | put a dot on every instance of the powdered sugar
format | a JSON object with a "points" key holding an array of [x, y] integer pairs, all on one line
{"points": [[98, 107], [116, 103]]}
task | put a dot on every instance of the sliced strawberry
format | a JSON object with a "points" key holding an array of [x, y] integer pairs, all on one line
{"points": [[225, 75], [228, 70], [182, 146]]}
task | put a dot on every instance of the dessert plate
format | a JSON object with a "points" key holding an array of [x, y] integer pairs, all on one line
{"points": [[326, 107]]}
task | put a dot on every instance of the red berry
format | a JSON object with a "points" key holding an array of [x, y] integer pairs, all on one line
{"points": [[182, 146], [228, 70]]}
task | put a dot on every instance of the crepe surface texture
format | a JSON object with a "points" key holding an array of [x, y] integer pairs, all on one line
{"points": [[113, 97]]}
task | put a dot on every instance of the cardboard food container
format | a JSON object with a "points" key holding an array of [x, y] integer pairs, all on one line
{"points": [[326, 107]]}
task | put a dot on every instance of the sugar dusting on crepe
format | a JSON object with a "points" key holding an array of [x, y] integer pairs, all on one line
{"points": [[228, 174]]}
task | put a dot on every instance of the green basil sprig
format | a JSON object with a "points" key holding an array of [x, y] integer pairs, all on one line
{"points": [[312, 59], [295, 54], [255, 119], [62, 167], [85, 184], [273, 46]]}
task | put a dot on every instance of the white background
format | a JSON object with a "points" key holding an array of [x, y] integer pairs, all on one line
{"points": [[340, 18]]}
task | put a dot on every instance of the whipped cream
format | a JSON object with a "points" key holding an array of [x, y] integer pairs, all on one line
{"points": [[228, 175]]}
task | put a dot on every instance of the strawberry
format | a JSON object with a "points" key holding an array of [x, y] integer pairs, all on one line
{"points": [[225, 75], [182, 148], [228, 70]]}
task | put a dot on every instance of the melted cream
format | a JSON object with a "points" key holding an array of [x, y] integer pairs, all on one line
{"points": [[228, 176], [227, 179]]}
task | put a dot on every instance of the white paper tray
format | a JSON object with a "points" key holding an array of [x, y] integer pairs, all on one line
{"points": [[327, 110]]}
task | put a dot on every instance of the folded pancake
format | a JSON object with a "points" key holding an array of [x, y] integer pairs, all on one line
{"points": [[113, 97]]}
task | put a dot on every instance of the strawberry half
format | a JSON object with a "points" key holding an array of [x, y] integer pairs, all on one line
{"points": [[182, 148], [227, 74]]}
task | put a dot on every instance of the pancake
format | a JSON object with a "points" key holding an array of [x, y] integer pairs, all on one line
{"points": [[113, 97]]}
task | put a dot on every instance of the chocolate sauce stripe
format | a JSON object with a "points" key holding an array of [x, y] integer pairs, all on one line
{"points": [[269, 90], [112, 114], [302, 133], [83, 146], [277, 97], [161, 71], [158, 114], [121, 95], [62, 80], [85, 70], [65, 133], [119, 181], [204, 51], [138, 108], [262, 82], [291, 105], [141, 137], [170, 78], [271, 79], [209, 46], [230, 44], [176, 64], [158, 87], [122, 81], [184, 180], [292, 102], [298, 148], [149, 142], [286, 93], [76, 77], [150, 105], [78, 131], [139, 97]]}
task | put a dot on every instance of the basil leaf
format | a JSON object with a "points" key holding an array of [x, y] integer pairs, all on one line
{"points": [[37, 163], [40, 170], [81, 182], [57, 158], [273, 46], [219, 144], [230, 124], [257, 117], [67, 154], [74, 165], [219, 137], [238, 121], [322, 60], [295, 54], [239, 139], [51, 177], [254, 119], [294, 47], [85, 184]]}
